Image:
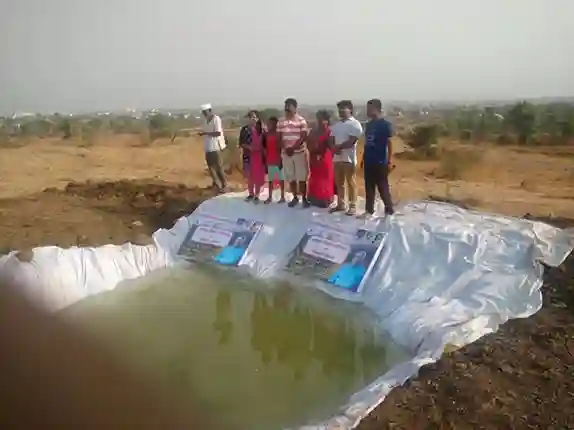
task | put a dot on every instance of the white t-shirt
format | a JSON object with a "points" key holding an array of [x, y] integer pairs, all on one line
{"points": [[211, 143], [342, 131]]}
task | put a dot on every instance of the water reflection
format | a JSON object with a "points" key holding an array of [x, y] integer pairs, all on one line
{"points": [[223, 323], [286, 331], [258, 357]]}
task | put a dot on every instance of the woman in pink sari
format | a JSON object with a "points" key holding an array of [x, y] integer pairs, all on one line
{"points": [[251, 140], [321, 177]]}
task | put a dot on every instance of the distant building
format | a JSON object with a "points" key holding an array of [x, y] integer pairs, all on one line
{"points": [[18, 115]]}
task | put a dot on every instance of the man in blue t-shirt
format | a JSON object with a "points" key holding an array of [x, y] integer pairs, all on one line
{"points": [[377, 158]]}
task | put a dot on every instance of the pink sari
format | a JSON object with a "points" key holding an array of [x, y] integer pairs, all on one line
{"points": [[322, 174], [256, 164]]}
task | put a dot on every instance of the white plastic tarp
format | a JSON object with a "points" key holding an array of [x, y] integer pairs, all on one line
{"points": [[445, 275]]}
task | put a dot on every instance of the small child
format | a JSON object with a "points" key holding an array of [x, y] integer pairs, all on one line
{"points": [[273, 159]]}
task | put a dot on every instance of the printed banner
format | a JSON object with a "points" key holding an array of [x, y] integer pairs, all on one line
{"points": [[340, 258], [221, 240]]}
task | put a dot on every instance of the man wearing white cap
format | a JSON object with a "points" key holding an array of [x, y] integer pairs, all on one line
{"points": [[214, 144]]}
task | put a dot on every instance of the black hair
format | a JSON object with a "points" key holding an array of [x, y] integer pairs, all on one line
{"points": [[291, 102], [273, 119], [323, 114], [258, 124], [376, 103], [345, 104]]}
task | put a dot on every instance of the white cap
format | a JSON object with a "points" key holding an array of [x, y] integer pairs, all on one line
{"points": [[205, 107]]}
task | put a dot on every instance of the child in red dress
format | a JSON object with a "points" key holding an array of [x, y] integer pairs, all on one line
{"points": [[273, 159]]}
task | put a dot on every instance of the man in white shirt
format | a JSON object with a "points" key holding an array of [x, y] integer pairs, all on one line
{"points": [[214, 144], [344, 136]]}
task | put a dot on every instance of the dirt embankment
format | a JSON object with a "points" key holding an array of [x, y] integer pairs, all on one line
{"points": [[95, 213]]}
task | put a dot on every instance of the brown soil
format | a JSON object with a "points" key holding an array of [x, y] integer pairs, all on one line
{"points": [[520, 377]]}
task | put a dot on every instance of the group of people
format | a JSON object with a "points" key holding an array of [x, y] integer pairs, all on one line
{"points": [[319, 163]]}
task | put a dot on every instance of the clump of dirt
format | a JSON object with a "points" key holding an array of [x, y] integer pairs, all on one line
{"points": [[159, 203], [95, 213]]}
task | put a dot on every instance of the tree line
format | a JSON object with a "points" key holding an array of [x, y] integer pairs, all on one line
{"points": [[522, 123]]}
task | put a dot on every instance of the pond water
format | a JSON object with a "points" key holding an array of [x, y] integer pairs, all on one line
{"points": [[258, 355]]}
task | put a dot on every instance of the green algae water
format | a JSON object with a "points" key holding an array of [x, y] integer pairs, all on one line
{"points": [[258, 356]]}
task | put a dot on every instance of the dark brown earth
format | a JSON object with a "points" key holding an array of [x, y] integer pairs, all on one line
{"points": [[522, 377]]}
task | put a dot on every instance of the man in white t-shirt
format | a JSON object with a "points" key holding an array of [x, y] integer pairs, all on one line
{"points": [[214, 144], [344, 136]]}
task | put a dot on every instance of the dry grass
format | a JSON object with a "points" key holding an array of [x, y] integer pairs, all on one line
{"points": [[490, 175], [455, 163]]}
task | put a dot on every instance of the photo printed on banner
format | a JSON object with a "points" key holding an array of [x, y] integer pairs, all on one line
{"points": [[221, 240], [335, 256]]}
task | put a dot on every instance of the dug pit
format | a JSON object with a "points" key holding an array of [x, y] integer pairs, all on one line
{"points": [[255, 355]]}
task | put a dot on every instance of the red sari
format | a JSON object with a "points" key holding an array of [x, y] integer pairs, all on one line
{"points": [[321, 177]]}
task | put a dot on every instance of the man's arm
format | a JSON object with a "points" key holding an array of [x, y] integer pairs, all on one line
{"points": [[349, 143], [390, 145], [302, 135], [218, 128], [280, 135], [331, 141], [355, 134]]}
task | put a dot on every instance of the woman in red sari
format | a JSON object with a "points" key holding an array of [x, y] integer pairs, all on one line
{"points": [[321, 177]]}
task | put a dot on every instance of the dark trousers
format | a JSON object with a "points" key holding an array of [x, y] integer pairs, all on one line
{"points": [[214, 162], [377, 178]]}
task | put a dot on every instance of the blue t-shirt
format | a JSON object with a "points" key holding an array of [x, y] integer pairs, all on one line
{"points": [[377, 134], [230, 255], [349, 276]]}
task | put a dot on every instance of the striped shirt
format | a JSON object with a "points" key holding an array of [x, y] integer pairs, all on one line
{"points": [[291, 129]]}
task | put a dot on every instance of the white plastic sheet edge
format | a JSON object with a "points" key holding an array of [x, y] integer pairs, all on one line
{"points": [[57, 278]]}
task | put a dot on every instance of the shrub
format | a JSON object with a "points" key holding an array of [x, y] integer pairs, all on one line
{"points": [[65, 127], [455, 162], [522, 119], [423, 140], [265, 114], [423, 136], [504, 139], [465, 135]]}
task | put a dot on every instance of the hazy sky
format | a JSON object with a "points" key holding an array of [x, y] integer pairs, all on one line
{"points": [[67, 55]]}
